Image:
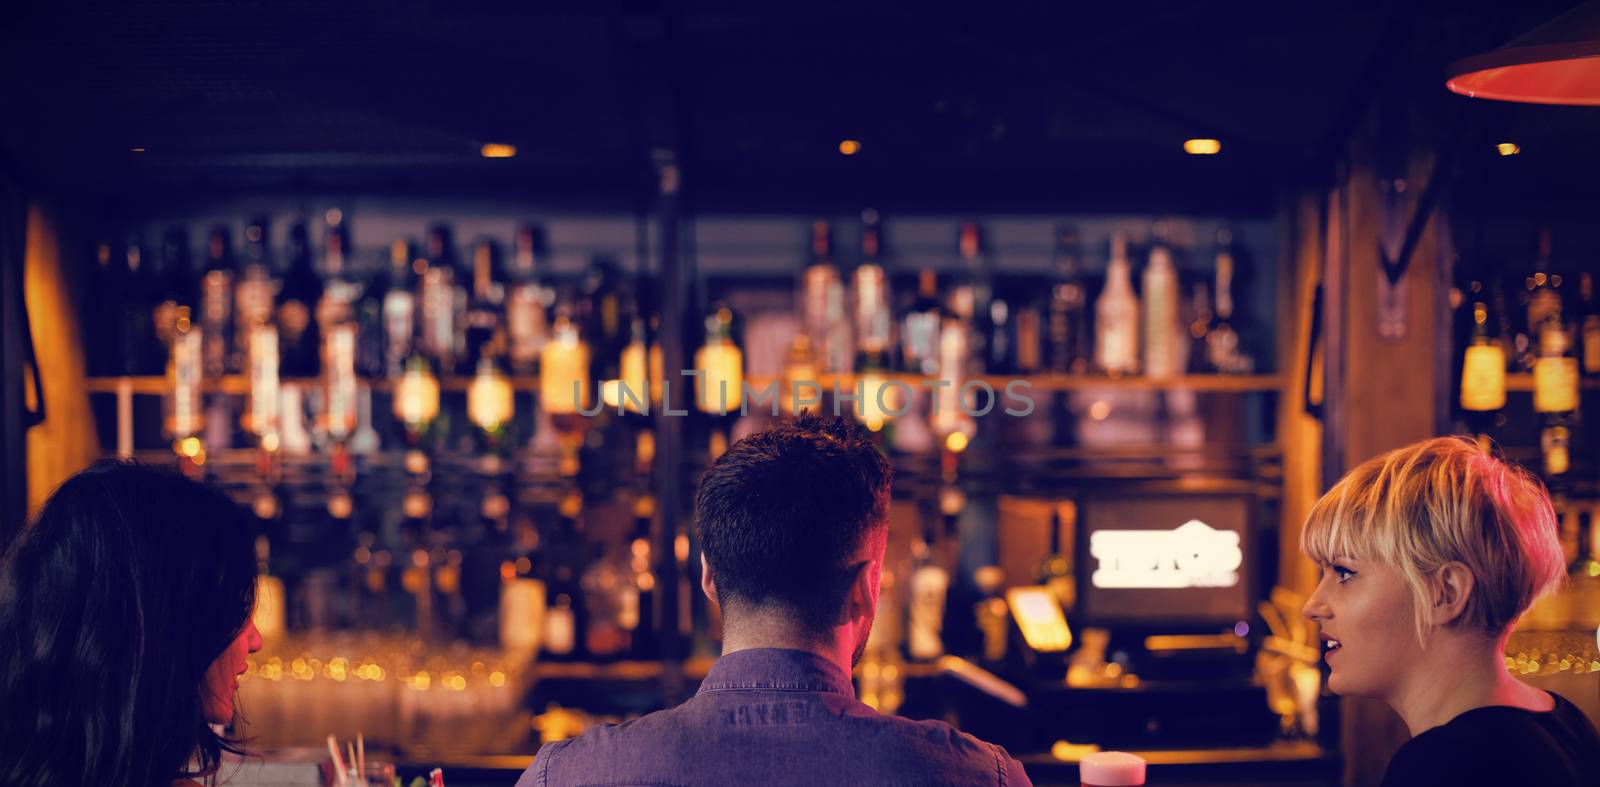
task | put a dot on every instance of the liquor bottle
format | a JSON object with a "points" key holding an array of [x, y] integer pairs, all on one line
{"points": [[528, 305], [485, 339], [824, 312], [999, 344], [1224, 350], [1555, 390], [601, 310], [611, 602], [971, 294], [185, 415], [216, 305], [1116, 350], [930, 583], [1055, 570], [142, 351], [1070, 351], [1162, 351], [257, 285], [339, 361], [106, 356], [1203, 319], [400, 305], [372, 361], [920, 332], [340, 291], [873, 319], [721, 362], [1483, 364], [567, 552], [437, 299], [523, 594], [176, 285], [299, 337], [990, 616], [1029, 346], [1589, 330], [1540, 298], [642, 624]]}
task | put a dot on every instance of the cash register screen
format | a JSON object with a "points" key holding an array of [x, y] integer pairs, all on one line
{"points": [[1164, 559]]}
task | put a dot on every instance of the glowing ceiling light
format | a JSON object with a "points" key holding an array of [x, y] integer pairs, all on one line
{"points": [[497, 150], [850, 147], [1202, 147], [1508, 148]]}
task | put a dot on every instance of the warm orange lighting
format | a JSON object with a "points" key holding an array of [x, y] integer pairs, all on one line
{"points": [[721, 386], [497, 150], [189, 446], [1483, 378], [490, 397], [850, 147], [564, 375], [1202, 147], [956, 442], [1508, 148], [416, 397]]}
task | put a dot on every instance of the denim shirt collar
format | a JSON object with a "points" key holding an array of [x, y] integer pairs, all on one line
{"points": [[777, 669]]}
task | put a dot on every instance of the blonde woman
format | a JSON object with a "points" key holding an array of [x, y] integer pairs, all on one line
{"points": [[1429, 554]]}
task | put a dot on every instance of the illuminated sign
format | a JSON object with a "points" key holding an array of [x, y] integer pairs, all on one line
{"points": [[1194, 555], [1038, 614]]}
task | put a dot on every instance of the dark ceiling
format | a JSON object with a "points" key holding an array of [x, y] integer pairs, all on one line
{"points": [[1083, 106]]}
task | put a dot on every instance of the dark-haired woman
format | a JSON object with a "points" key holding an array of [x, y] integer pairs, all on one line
{"points": [[124, 626]]}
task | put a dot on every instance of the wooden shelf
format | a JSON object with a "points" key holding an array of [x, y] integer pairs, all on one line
{"points": [[1203, 383], [1524, 383]]}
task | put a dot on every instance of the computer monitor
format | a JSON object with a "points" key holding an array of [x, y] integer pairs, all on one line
{"points": [[1154, 560]]}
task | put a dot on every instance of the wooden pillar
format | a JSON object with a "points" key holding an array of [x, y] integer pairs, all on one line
{"points": [[1382, 388]]}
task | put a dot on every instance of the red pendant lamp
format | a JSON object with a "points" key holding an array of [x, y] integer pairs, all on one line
{"points": [[1556, 63]]}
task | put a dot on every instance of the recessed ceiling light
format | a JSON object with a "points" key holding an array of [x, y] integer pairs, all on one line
{"points": [[850, 147], [1202, 147], [1508, 148], [498, 150], [138, 150]]}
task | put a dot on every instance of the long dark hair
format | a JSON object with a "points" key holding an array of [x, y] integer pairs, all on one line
{"points": [[113, 604]]}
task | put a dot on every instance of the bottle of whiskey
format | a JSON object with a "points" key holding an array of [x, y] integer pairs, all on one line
{"points": [[1589, 329], [640, 554], [1117, 315], [177, 285], [142, 350], [873, 319], [1224, 350], [930, 583], [340, 292], [530, 300], [400, 305], [299, 336], [972, 294], [485, 338], [1070, 350], [1162, 350], [1555, 389], [567, 551], [919, 333], [221, 351], [257, 285], [824, 314], [437, 298]]}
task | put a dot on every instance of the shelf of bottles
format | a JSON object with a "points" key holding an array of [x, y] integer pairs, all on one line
{"points": [[1527, 353], [453, 458]]}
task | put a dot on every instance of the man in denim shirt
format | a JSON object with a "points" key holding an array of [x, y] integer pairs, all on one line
{"points": [[793, 525]]}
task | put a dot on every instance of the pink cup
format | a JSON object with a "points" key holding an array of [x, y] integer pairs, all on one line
{"points": [[1111, 769]]}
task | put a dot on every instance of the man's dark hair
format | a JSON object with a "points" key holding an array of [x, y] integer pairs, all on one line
{"points": [[783, 513]]}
